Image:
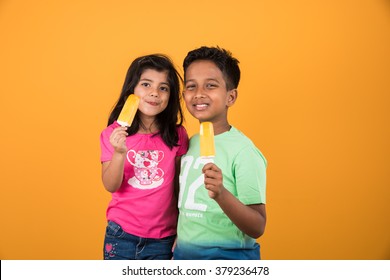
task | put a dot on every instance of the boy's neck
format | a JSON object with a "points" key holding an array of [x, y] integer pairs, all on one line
{"points": [[221, 128]]}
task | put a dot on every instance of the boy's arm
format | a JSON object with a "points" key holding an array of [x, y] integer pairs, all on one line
{"points": [[250, 219]]}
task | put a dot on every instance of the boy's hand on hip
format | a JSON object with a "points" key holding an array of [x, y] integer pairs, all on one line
{"points": [[213, 180]]}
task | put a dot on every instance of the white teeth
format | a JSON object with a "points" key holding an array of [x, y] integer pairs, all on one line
{"points": [[201, 105]]}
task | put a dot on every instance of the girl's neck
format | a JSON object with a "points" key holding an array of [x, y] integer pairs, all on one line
{"points": [[148, 126]]}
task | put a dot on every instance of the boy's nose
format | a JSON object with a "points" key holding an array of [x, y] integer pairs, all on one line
{"points": [[199, 94]]}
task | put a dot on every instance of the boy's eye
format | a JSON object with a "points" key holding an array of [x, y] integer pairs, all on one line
{"points": [[211, 85], [190, 87]]}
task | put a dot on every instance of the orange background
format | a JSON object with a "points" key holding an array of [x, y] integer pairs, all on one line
{"points": [[314, 97]]}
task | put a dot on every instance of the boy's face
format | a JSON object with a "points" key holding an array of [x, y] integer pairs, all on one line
{"points": [[205, 93]]}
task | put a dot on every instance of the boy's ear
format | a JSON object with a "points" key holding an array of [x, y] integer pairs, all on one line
{"points": [[232, 97]]}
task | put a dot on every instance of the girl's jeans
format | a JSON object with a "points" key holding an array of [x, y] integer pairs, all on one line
{"points": [[119, 245]]}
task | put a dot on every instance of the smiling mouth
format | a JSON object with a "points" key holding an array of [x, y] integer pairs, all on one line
{"points": [[153, 103], [200, 107]]}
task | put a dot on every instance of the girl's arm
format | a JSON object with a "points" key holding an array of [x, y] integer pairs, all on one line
{"points": [[112, 171], [250, 219], [177, 174]]}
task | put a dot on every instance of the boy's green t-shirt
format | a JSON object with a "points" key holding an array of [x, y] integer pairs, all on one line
{"points": [[202, 223]]}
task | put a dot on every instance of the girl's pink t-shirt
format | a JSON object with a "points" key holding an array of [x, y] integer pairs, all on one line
{"points": [[145, 204]]}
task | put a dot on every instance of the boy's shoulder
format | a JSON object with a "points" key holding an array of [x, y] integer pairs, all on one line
{"points": [[233, 143], [237, 137], [233, 135], [237, 142], [233, 139]]}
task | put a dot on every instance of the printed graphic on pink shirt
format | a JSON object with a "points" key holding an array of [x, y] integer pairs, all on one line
{"points": [[147, 174]]}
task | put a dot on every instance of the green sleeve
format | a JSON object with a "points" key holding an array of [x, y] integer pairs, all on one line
{"points": [[250, 175]]}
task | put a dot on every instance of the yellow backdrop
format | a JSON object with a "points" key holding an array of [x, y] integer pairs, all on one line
{"points": [[314, 98]]}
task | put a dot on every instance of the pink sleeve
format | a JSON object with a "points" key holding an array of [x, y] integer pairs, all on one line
{"points": [[183, 141], [106, 148]]}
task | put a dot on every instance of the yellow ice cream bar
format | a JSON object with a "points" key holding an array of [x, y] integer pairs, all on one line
{"points": [[128, 111], [207, 148]]}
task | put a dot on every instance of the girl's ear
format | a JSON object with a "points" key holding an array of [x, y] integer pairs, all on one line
{"points": [[232, 97]]}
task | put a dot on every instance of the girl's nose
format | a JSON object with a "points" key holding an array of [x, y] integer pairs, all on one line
{"points": [[154, 92]]}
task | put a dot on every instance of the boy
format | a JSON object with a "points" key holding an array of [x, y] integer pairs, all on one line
{"points": [[222, 203]]}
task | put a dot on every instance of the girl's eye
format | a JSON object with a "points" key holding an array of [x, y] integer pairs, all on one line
{"points": [[145, 84], [164, 89]]}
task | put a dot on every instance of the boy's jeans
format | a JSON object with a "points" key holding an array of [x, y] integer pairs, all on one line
{"points": [[119, 245]]}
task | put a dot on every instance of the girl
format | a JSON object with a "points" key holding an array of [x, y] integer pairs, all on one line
{"points": [[140, 163]]}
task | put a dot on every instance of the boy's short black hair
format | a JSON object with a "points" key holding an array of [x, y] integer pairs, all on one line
{"points": [[222, 58]]}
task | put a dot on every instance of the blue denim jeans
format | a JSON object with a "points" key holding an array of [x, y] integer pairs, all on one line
{"points": [[120, 245]]}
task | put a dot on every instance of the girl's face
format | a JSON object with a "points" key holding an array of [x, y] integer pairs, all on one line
{"points": [[205, 93], [153, 91]]}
